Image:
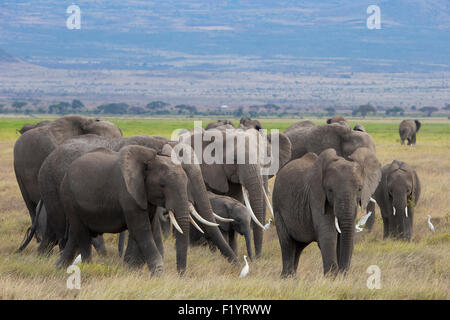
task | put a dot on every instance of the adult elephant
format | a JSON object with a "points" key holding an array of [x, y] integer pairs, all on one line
{"points": [[232, 172], [107, 192], [248, 123], [337, 136], [57, 163], [397, 195], [408, 130], [31, 149], [298, 125], [236, 220], [316, 199]]}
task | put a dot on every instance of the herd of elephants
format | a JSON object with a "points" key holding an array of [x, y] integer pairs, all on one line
{"points": [[80, 178]]}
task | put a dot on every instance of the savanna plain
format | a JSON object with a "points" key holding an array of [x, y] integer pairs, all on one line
{"points": [[419, 269]]}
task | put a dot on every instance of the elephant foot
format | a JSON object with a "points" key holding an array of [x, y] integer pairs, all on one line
{"points": [[157, 271]]}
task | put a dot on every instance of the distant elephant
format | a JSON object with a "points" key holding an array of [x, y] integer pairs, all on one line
{"points": [[397, 195], [336, 119], [338, 136], [316, 198], [58, 162], [408, 130], [31, 149], [229, 208], [300, 124], [27, 127], [247, 123], [233, 178], [359, 127], [108, 192], [219, 123]]}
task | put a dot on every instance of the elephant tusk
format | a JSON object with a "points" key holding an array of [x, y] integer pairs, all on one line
{"points": [[406, 211], [336, 223], [195, 224], [372, 200], [247, 204], [200, 218], [174, 222], [222, 218], [268, 202], [393, 211]]}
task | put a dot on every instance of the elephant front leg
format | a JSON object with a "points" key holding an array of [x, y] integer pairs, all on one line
{"points": [[328, 249], [232, 240]]}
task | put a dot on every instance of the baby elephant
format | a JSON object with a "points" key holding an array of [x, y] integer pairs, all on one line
{"points": [[316, 198], [397, 195], [229, 208]]}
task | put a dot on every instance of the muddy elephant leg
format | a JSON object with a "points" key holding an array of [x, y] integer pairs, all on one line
{"points": [[141, 231], [99, 244], [328, 249], [371, 220]]}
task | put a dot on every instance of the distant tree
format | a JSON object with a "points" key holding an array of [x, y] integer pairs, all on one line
{"points": [[395, 110], [156, 105], [447, 106], [136, 110], [330, 111], [77, 104], [60, 108], [364, 110], [413, 107], [113, 108], [185, 108], [18, 104], [239, 112], [428, 110]]}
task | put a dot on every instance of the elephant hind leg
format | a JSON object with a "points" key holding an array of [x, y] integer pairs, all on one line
{"points": [[288, 249], [68, 254], [99, 245], [298, 252]]}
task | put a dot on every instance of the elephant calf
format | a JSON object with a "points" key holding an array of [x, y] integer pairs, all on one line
{"points": [[229, 208], [397, 195], [316, 198]]}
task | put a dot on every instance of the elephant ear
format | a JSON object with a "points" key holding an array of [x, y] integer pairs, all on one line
{"points": [[418, 124], [370, 171], [285, 147], [314, 188], [133, 163]]}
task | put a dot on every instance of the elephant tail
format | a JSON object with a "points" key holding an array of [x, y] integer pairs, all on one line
{"points": [[31, 230]]}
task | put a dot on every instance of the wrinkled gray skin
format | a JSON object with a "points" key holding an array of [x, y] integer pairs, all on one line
{"points": [[27, 127], [219, 123], [228, 179], [338, 136], [107, 192], [56, 165], [230, 208], [310, 192], [359, 127], [300, 124], [336, 119], [32, 147], [408, 130], [400, 188], [247, 123]]}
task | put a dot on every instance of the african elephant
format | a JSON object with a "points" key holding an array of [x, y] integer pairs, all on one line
{"points": [[300, 124], [336, 119], [27, 127], [397, 195], [108, 192], [231, 171], [31, 149], [338, 136], [408, 130], [219, 123], [247, 123], [316, 198], [229, 208], [57, 163]]}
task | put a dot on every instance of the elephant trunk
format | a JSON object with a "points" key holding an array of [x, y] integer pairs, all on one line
{"points": [[346, 221], [182, 239], [250, 178], [402, 219], [203, 205]]}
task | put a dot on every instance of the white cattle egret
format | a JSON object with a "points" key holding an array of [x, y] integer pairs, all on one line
{"points": [[245, 269], [430, 225], [77, 260], [267, 225]]}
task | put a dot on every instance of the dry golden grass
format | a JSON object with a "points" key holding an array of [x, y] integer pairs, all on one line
{"points": [[419, 269]]}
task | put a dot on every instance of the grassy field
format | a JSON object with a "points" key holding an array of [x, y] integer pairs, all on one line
{"points": [[419, 269]]}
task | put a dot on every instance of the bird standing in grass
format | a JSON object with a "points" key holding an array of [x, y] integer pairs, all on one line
{"points": [[245, 269], [430, 225], [267, 225]]}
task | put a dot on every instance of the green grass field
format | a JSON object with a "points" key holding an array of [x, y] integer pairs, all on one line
{"points": [[419, 269]]}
